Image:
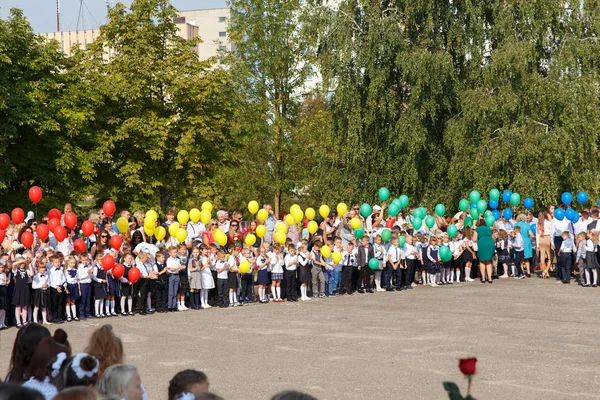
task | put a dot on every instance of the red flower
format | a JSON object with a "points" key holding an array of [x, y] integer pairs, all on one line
{"points": [[467, 365]]}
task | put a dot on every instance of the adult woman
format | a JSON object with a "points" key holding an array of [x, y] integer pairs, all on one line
{"points": [[544, 228], [485, 249], [101, 244], [234, 236], [207, 236], [252, 230], [136, 238], [121, 381], [25, 344], [527, 236]]}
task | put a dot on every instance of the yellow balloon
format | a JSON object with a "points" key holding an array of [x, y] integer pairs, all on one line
{"points": [[280, 237], [261, 231], [250, 239], [195, 215], [325, 251], [122, 224], [160, 233], [148, 231], [355, 223], [298, 215], [207, 205], [324, 211], [173, 228], [342, 208], [313, 227], [218, 232], [294, 207], [280, 226], [290, 220], [262, 215], [310, 213], [337, 257], [221, 239], [253, 207], [149, 224], [183, 217], [244, 267], [152, 215], [181, 235], [205, 216]]}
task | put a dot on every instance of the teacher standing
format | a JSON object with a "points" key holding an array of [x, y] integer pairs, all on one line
{"points": [[485, 249]]}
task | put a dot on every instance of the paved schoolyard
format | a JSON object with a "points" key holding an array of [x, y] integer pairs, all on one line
{"points": [[534, 339]]}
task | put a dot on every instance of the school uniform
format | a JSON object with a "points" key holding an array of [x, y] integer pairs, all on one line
{"points": [[591, 260], [142, 287], [232, 277], [100, 288], [304, 267], [195, 277], [124, 287], [57, 300], [433, 263], [247, 284], [365, 253], [263, 272], [72, 276], [21, 296], [222, 283], [291, 265], [184, 283], [566, 258], [348, 266], [161, 287], [207, 278], [581, 262], [85, 283], [318, 276], [424, 261], [395, 254], [173, 262], [519, 251], [41, 297], [4, 304], [410, 259]]}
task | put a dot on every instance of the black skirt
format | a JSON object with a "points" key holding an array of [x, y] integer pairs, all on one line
{"points": [[305, 274], [21, 295], [126, 289], [100, 291], [3, 298], [184, 284], [41, 298], [232, 280]]}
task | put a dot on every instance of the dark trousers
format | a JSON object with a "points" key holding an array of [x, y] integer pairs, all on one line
{"points": [[388, 275], [85, 300], [247, 292], [557, 243], [400, 276], [213, 294], [161, 292], [290, 285], [347, 278], [223, 290], [364, 277], [409, 273], [566, 263], [57, 304], [143, 286]]}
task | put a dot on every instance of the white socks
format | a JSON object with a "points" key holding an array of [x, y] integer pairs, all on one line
{"points": [[68, 309], [98, 307], [230, 297], [595, 273], [74, 310], [261, 293], [278, 291], [273, 292], [123, 299], [35, 314], [107, 304], [203, 297]]}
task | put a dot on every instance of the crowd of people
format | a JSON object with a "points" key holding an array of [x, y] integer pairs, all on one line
{"points": [[45, 367], [53, 282]]}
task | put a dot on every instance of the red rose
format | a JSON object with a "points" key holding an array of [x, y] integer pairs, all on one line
{"points": [[467, 365]]}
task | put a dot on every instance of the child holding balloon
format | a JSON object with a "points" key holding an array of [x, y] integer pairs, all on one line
{"points": [[73, 289], [126, 287], [232, 277], [195, 277], [100, 289], [182, 254], [247, 279], [276, 262]]}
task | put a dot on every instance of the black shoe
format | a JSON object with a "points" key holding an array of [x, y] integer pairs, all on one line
{"points": [[490, 281], [390, 290], [370, 291], [360, 291], [124, 314]]}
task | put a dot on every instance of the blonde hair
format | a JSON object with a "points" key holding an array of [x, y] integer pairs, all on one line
{"points": [[115, 380], [106, 347]]}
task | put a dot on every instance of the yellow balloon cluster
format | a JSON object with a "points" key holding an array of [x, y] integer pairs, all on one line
{"points": [[280, 237], [280, 226], [290, 220], [205, 216], [220, 237], [207, 205], [122, 224], [173, 229], [160, 233], [183, 217]]}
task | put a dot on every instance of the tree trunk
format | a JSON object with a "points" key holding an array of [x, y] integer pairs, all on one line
{"points": [[277, 203]]}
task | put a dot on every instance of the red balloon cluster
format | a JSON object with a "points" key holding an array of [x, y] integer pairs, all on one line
{"points": [[79, 246], [133, 275], [109, 208], [70, 220], [108, 262], [42, 231], [35, 194], [87, 228], [118, 271], [18, 215], [116, 242], [27, 239]]}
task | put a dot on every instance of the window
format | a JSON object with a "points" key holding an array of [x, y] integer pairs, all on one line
{"points": [[222, 19], [223, 48], [179, 20], [222, 34]]}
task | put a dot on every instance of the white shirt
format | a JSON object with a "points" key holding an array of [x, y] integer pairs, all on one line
{"points": [[408, 251], [39, 280], [57, 277], [146, 248], [82, 271], [218, 265], [581, 225], [276, 262], [173, 262], [394, 254], [195, 230], [291, 262], [558, 227]]}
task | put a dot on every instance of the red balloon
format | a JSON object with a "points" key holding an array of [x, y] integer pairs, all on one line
{"points": [[27, 239], [53, 224], [116, 242], [70, 220], [60, 233], [35, 194], [118, 271], [2, 235], [109, 208], [87, 228], [4, 221], [79, 245], [134, 275], [18, 215], [42, 231], [54, 213], [108, 262]]}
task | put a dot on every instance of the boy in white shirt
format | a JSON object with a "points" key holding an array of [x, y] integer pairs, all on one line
{"points": [[173, 268], [291, 265], [393, 265]]}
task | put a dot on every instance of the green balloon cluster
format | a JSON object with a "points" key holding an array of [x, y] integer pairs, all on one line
{"points": [[419, 212], [374, 263], [393, 208], [474, 196], [417, 223], [403, 201], [481, 206]]}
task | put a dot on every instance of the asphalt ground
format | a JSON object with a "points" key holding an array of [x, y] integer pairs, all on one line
{"points": [[534, 339]]}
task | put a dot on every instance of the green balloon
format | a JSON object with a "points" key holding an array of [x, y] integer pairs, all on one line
{"points": [[397, 202], [417, 223], [474, 196], [393, 209], [445, 253], [401, 241], [383, 193], [452, 230], [430, 221], [359, 233], [440, 209], [374, 263], [474, 213], [403, 200], [487, 212], [386, 235], [365, 210], [463, 204], [468, 221], [418, 213], [515, 199], [481, 206], [490, 220], [494, 194]]}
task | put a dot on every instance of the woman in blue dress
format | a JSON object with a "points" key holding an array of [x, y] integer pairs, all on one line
{"points": [[527, 236]]}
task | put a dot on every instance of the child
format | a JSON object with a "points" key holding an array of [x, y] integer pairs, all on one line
{"points": [[591, 260], [161, 284], [141, 289], [468, 252], [566, 256], [584, 274], [208, 282], [73, 290], [188, 381], [246, 293], [503, 248], [21, 297], [433, 261], [380, 256], [113, 287], [304, 274], [410, 254], [41, 298], [291, 265], [446, 266], [85, 271], [101, 290], [364, 254], [276, 262], [519, 248], [393, 266], [222, 279], [349, 266], [195, 277], [337, 268], [456, 263], [318, 276], [232, 277], [126, 287], [3, 293], [423, 244], [173, 268], [57, 289], [184, 284], [263, 274]]}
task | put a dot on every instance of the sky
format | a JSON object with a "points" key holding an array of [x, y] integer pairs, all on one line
{"points": [[42, 13]]}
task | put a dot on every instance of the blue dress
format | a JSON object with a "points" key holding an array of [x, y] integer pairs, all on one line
{"points": [[527, 247]]}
